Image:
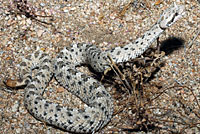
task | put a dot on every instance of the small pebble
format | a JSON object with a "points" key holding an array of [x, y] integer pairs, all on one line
{"points": [[42, 4], [15, 107]]}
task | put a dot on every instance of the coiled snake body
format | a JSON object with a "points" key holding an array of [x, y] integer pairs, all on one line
{"points": [[99, 109]]}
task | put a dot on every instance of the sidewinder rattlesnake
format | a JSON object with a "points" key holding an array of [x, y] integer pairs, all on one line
{"points": [[99, 109]]}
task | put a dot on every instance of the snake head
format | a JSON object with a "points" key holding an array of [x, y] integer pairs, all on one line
{"points": [[171, 15]]}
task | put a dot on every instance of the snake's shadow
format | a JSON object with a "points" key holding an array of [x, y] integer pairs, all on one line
{"points": [[171, 44]]}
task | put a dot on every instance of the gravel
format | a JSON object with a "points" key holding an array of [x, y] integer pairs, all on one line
{"points": [[102, 23]]}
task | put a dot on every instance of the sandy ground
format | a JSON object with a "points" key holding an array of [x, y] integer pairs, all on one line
{"points": [[106, 24]]}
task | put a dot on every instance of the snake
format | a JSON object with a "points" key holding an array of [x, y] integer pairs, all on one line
{"points": [[98, 110]]}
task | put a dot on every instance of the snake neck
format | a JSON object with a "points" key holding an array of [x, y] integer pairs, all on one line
{"points": [[136, 48]]}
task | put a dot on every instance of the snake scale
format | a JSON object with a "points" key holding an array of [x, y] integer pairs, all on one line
{"points": [[99, 109]]}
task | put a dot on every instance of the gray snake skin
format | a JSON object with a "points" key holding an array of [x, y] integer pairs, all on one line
{"points": [[99, 109]]}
